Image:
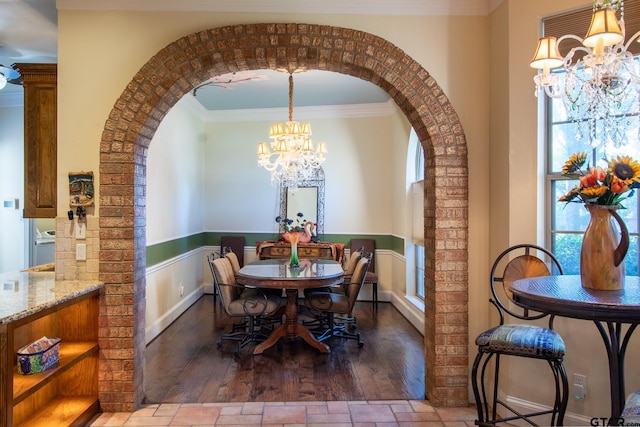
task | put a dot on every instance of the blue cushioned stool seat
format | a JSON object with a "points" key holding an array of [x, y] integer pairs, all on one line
{"points": [[522, 340], [631, 412]]}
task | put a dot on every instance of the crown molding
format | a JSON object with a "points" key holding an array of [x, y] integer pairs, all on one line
{"points": [[332, 7], [277, 114]]}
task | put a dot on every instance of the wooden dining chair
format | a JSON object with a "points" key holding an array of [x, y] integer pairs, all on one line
{"points": [[236, 244], [518, 339]]}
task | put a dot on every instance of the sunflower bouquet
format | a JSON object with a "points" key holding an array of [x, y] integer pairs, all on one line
{"points": [[600, 186]]}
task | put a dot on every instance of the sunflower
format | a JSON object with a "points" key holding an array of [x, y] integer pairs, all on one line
{"points": [[626, 169], [575, 162], [593, 192]]}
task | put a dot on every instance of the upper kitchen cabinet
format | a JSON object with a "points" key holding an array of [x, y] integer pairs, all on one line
{"points": [[40, 139]]}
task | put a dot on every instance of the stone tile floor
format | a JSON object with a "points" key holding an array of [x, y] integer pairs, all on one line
{"points": [[409, 413]]}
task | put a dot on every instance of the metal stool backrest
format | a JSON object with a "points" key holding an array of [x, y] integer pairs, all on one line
{"points": [[520, 262]]}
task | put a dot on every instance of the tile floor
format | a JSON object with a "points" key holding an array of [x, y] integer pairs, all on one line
{"points": [[409, 413]]}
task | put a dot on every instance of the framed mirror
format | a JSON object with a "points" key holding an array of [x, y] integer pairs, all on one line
{"points": [[308, 199]]}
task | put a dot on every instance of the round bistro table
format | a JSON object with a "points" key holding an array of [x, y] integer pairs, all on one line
{"points": [[276, 274], [609, 310]]}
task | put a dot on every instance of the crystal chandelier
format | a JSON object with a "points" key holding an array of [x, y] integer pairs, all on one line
{"points": [[601, 84], [293, 159]]}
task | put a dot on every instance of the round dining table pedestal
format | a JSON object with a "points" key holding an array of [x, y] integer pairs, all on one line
{"points": [[291, 328], [277, 274]]}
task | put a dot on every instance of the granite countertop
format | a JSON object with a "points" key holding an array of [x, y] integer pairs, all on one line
{"points": [[25, 293]]}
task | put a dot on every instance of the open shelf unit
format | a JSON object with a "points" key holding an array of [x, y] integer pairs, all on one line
{"points": [[66, 395]]}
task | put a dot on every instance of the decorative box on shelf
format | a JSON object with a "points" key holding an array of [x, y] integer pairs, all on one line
{"points": [[38, 356]]}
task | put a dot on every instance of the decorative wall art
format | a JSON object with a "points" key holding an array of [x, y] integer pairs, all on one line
{"points": [[80, 189]]}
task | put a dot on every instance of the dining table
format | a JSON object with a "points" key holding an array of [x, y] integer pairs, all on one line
{"points": [[278, 274], [616, 315]]}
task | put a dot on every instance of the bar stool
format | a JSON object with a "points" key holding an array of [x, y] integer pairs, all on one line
{"points": [[520, 340]]}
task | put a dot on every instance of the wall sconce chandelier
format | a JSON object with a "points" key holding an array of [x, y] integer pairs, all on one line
{"points": [[601, 88], [293, 159]]}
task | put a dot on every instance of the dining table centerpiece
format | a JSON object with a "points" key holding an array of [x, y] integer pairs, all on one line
{"points": [[602, 190], [295, 232]]}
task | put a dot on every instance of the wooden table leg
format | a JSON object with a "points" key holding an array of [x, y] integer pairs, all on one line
{"points": [[291, 328]]}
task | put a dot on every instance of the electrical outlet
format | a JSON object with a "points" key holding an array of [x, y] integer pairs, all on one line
{"points": [[579, 386], [181, 290]]}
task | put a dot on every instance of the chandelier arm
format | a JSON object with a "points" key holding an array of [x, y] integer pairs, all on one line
{"points": [[633, 37], [553, 94], [569, 36]]}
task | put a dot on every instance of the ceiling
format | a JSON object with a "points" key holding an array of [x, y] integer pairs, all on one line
{"points": [[35, 41]]}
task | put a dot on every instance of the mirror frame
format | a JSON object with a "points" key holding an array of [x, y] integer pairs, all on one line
{"points": [[316, 181]]}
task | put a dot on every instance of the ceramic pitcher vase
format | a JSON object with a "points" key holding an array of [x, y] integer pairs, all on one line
{"points": [[604, 249]]}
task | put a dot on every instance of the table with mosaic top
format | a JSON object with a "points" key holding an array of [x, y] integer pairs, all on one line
{"points": [[616, 314]]}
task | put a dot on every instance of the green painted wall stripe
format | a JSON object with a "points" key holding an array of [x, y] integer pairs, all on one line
{"points": [[167, 250]]}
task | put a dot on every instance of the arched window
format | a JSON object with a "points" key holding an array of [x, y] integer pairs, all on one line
{"points": [[415, 245]]}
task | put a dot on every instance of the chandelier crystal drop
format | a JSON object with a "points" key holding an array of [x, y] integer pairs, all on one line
{"points": [[600, 88], [293, 159]]}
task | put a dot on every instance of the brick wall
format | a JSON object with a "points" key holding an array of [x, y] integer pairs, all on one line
{"points": [[184, 64]]}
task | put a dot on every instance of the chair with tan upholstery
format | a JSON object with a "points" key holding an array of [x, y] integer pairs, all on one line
{"points": [[330, 305], [352, 261], [233, 259], [368, 246], [250, 304]]}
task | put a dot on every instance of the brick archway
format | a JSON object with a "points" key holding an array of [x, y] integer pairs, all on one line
{"points": [[187, 62]]}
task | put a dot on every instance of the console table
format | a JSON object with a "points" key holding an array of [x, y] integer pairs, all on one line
{"points": [[271, 249]]}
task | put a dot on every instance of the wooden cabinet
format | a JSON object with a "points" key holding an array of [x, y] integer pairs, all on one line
{"points": [[305, 250], [40, 139], [63, 396]]}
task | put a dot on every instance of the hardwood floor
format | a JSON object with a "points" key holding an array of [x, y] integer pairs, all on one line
{"points": [[184, 365]]}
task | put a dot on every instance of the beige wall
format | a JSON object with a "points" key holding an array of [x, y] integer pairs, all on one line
{"points": [[95, 68], [480, 62], [517, 200]]}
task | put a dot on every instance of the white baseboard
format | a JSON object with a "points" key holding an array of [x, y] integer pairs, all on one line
{"points": [[166, 319], [524, 406], [409, 311]]}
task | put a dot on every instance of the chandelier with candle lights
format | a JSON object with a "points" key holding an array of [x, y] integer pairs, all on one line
{"points": [[600, 86], [293, 159]]}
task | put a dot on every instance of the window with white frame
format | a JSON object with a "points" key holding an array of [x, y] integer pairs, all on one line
{"points": [[568, 221], [417, 197]]}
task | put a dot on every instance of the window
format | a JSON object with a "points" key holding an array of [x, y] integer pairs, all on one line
{"points": [[419, 252], [568, 221], [417, 190]]}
